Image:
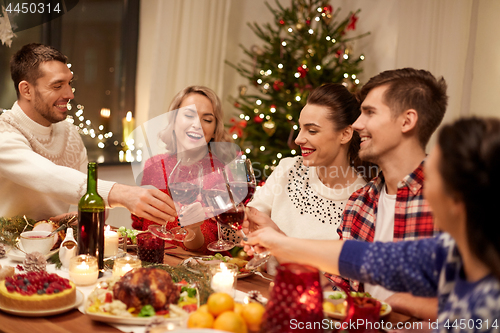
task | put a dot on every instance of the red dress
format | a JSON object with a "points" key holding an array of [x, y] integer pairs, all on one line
{"points": [[154, 174]]}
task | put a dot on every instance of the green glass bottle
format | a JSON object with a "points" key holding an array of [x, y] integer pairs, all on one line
{"points": [[91, 219]]}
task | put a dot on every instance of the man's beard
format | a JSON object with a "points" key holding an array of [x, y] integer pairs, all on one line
{"points": [[46, 111]]}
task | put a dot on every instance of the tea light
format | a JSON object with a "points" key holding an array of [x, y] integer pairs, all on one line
{"points": [[125, 264], [83, 270], [224, 278], [110, 243]]}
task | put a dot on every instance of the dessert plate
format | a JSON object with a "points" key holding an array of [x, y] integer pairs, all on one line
{"points": [[43, 313]]}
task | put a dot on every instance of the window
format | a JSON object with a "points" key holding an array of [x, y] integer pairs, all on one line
{"points": [[99, 37]]}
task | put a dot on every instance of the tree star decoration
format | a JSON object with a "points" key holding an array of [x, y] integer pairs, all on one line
{"points": [[6, 33]]}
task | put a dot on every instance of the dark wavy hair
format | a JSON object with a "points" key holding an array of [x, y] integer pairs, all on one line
{"points": [[25, 63], [344, 109], [470, 167]]}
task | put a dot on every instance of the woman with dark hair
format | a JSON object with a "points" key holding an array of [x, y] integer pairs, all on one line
{"points": [[305, 195], [195, 119], [462, 265]]}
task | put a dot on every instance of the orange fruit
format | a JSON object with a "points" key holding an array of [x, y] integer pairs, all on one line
{"points": [[252, 314], [200, 319], [203, 308], [220, 302], [238, 308], [230, 322]]}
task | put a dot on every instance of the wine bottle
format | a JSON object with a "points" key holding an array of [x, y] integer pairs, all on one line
{"points": [[91, 219]]}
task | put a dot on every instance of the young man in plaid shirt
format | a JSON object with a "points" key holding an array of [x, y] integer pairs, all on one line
{"points": [[399, 112]]}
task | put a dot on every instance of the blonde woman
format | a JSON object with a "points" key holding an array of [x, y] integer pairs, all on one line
{"points": [[195, 119]]}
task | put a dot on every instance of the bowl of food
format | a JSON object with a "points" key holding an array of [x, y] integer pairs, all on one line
{"points": [[36, 241], [141, 295]]}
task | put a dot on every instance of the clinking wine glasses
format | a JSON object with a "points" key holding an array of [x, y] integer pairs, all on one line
{"points": [[217, 199], [185, 183], [240, 184]]}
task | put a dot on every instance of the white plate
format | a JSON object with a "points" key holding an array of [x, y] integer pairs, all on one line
{"points": [[127, 320], [337, 315], [15, 254], [43, 313], [112, 319]]}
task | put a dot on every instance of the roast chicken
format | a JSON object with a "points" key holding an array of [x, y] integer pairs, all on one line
{"points": [[143, 286]]}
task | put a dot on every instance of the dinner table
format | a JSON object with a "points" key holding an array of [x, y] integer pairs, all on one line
{"points": [[74, 321]]}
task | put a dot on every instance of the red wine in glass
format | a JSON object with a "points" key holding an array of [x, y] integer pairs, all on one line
{"points": [[184, 193], [218, 200], [232, 218], [243, 191]]}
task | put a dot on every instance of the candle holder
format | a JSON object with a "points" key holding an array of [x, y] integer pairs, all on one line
{"points": [[223, 278], [83, 270], [125, 264], [296, 294], [150, 248]]}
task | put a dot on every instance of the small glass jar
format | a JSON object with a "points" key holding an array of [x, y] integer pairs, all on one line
{"points": [[83, 270], [224, 278], [125, 264]]}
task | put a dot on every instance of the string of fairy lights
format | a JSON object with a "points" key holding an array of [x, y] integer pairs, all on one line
{"points": [[102, 136]]}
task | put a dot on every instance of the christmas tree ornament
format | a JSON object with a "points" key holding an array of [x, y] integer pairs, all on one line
{"points": [[352, 22], [237, 126], [237, 105], [269, 127], [302, 71], [289, 117], [277, 85], [282, 22], [35, 262], [299, 26], [258, 119], [242, 90]]}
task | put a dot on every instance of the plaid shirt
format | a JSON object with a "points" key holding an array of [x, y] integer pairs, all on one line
{"points": [[412, 219]]}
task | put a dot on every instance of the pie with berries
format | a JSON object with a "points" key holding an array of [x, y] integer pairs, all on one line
{"points": [[36, 291]]}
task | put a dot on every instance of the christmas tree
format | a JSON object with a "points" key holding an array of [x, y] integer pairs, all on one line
{"points": [[306, 47]]}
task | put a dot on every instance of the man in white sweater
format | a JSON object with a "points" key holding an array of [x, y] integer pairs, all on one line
{"points": [[42, 157]]}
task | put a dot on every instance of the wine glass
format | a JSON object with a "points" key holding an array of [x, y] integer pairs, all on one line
{"points": [[243, 180], [242, 186], [217, 199], [159, 231], [184, 184], [233, 216]]}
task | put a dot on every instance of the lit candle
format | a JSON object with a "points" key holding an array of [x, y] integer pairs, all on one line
{"points": [[224, 278], [128, 127], [83, 270], [105, 114], [125, 264], [110, 243]]}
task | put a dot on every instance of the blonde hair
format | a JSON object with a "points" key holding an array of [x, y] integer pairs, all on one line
{"points": [[167, 135]]}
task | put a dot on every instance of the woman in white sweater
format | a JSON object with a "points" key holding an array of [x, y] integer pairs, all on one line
{"points": [[305, 195]]}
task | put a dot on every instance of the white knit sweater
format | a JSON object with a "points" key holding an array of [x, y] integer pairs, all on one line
{"points": [[43, 170], [300, 204]]}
